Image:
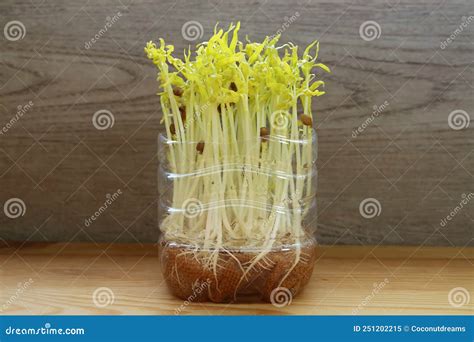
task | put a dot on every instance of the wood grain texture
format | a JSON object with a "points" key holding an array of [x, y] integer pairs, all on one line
{"points": [[62, 279], [408, 158]]}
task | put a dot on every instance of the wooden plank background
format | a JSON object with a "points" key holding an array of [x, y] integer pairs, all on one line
{"points": [[408, 158]]}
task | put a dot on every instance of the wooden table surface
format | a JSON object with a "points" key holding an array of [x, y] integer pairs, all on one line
{"points": [[62, 278]]}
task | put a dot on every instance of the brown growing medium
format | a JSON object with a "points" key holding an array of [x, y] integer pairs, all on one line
{"points": [[189, 278]]}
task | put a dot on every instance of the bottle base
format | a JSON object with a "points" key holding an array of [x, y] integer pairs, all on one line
{"points": [[235, 276]]}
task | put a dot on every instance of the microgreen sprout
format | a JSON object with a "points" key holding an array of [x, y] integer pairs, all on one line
{"points": [[239, 134]]}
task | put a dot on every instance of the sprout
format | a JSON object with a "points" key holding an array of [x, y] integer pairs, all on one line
{"points": [[238, 138]]}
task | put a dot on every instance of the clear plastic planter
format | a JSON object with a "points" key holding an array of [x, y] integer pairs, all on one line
{"points": [[235, 219]]}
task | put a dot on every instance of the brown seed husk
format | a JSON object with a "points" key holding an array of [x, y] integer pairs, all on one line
{"points": [[306, 120], [200, 147], [185, 272], [264, 132], [177, 91]]}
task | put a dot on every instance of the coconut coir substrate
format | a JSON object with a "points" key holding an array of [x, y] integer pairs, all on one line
{"points": [[190, 279]]}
